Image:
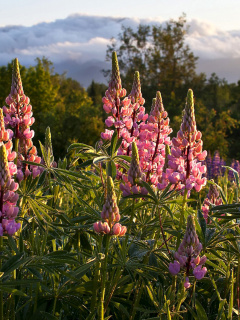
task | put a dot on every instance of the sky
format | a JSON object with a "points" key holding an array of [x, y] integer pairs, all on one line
{"points": [[74, 34]]}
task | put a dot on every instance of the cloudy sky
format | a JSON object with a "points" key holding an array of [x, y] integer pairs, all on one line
{"points": [[74, 34]]}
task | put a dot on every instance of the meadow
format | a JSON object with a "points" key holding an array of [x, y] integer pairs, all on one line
{"points": [[142, 225]]}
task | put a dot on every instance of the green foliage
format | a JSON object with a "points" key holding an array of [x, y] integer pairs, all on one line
{"points": [[58, 102], [56, 266], [166, 63]]}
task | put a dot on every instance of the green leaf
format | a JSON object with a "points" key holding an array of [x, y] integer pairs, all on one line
{"points": [[113, 143], [79, 146], [126, 158], [13, 263], [200, 311], [221, 315], [149, 189], [230, 305], [100, 159], [12, 291], [111, 169], [202, 223]]}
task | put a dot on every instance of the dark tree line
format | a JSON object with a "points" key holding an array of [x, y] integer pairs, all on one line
{"points": [[165, 63]]}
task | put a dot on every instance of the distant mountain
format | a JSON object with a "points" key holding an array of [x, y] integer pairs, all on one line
{"points": [[224, 68], [84, 72]]}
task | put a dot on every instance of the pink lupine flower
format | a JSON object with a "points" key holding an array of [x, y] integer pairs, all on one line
{"points": [[153, 137], [110, 213], [112, 101], [186, 153], [187, 256], [213, 199], [8, 197], [134, 176], [19, 117]]}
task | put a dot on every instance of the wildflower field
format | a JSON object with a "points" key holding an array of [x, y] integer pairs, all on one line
{"points": [[142, 226]]}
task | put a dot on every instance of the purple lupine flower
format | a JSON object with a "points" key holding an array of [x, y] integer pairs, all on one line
{"points": [[213, 198], [187, 256], [216, 165]]}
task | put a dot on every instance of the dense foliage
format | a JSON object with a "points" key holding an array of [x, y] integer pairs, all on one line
{"points": [[80, 248], [58, 102]]}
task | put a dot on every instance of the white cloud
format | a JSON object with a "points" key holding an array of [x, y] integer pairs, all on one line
{"points": [[82, 38]]}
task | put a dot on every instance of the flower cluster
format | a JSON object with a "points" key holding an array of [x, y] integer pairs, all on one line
{"points": [[184, 167], [153, 137], [110, 214], [187, 256], [213, 199], [134, 176], [8, 197], [113, 104], [19, 117]]}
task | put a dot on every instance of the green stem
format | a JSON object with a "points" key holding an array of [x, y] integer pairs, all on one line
{"points": [[137, 298], [182, 216], [16, 150], [129, 228], [95, 281], [104, 271], [1, 293], [118, 275], [33, 226], [54, 304], [163, 234]]}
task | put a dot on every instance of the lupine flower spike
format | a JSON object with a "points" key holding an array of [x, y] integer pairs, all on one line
{"points": [[19, 117], [110, 214], [48, 141], [134, 176], [153, 137], [184, 167], [187, 256], [8, 197], [49, 150], [112, 102], [213, 199]]}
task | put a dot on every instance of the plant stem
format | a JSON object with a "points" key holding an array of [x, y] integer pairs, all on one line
{"points": [[104, 271], [130, 227], [1, 293], [116, 279], [95, 281], [182, 216], [163, 235]]}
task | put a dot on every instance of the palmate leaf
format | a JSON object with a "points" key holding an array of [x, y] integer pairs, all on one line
{"points": [[14, 263], [79, 146]]}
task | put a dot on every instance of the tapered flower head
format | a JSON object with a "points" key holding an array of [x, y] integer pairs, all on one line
{"points": [[115, 82], [157, 107], [48, 141], [4, 168], [110, 210], [136, 94], [187, 256], [134, 172], [16, 88], [110, 213], [189, 122]]}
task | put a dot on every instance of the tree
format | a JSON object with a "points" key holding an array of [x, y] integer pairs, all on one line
{"points": [[162, 57], [59, 102]]}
